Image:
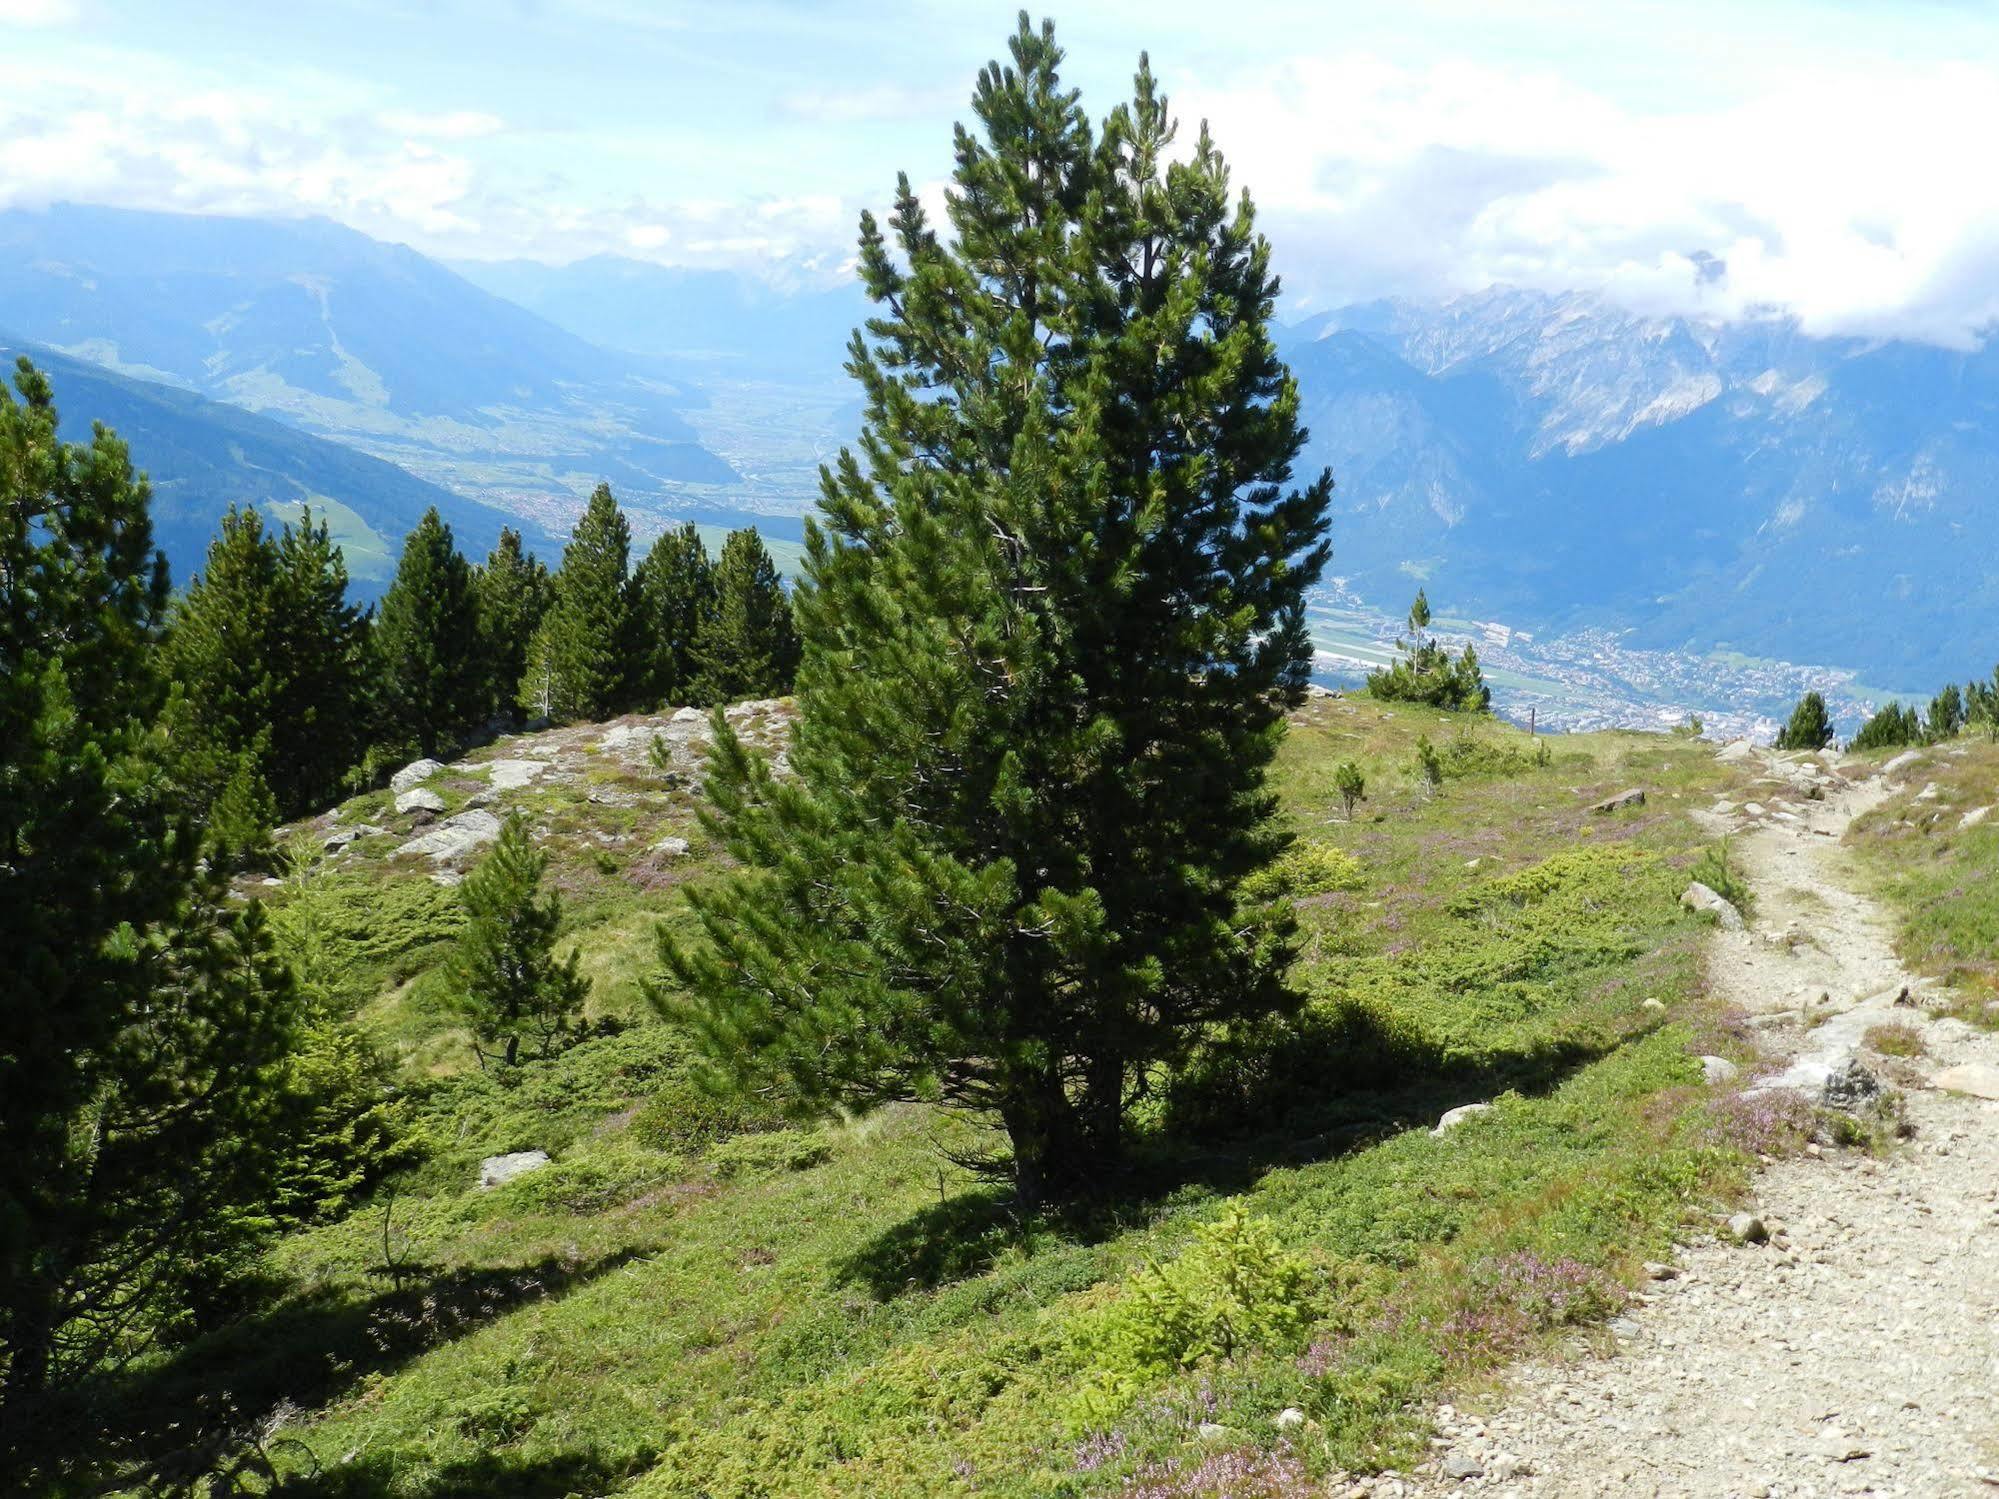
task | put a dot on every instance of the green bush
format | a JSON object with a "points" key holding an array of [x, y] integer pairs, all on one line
{"points": [[1306, 869], [583, 1184], [770, 1154], [685, 1116], [1233, 1291], [1714, 870]]}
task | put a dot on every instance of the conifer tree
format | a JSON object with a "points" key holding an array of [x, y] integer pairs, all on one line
{"points": [[748, 646], [143, 1022], [1946, 715], [673, 595], [1350, 784], [265, 653], [581, 649], [512, 591], [515, 989], [1052, 615], [426, 646], [1419, 617], [1810, 727]]}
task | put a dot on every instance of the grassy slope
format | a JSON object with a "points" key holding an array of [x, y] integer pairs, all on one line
{"points": [[1941, 877], [683, 1308]]}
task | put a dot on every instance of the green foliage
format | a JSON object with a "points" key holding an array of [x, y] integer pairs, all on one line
{"points": [[1425, 672], [238, 831], [145, 1025], [748, 645], [1429, 765], [1351, 786], [1304, 870], [1235, 1289], [683, 1116], [515, 989], [266, 657], [1810, 727], [347, 1129], [512, 592], [1715, 870], [425, 648], [1946, 715], [1467, 756], [577, 661], [1693, 728], [1049, 641], [770, 1154], [673, 601], [1892, 727]]}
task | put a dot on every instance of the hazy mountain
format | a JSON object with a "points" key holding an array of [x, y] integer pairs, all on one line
{"points": [[718, 321], [1556, 462], [204, 456], [344, 336]]}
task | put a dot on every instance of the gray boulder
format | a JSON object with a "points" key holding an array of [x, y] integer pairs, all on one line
{"points": [[1619, 802], [511, 775], [1454, 1117], [1851, 1086], [455, 838], [419, 799], [1718, 1070], [414, 774], [670, 848], [1698, 897], [496, 1169]]}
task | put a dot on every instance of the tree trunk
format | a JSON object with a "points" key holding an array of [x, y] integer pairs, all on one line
{"points": [[1040, 1123]]}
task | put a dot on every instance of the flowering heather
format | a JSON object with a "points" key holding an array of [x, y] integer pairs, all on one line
{"points": [[1238, 1473], [1101, 1447], [1511, 1298], [1773, 1122]]}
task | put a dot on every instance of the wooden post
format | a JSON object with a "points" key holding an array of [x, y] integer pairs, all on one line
{"points": [[1531, 710]]}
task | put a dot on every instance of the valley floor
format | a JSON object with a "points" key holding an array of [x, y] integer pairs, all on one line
{"points": [[1853, 1352]]}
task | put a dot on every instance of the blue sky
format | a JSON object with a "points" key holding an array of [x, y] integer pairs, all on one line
{"points": [[1832, 154]]}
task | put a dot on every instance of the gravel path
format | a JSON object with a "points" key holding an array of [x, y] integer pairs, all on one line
{"points": [[1858, 1351]]}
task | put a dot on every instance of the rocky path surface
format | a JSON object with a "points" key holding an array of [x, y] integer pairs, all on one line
{"points": [[1857, 1351]]}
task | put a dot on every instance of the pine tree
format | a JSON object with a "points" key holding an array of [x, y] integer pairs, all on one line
{"points": [[1419, 617], [266, 655], [1052, 616], [1810, 727], [426, 647], [1946, 715], [515, 989], [748, 647], [512, 591], [1891, 727], [1425, 672], [581, 649], [673, 595], [143, 1022], [1350, 784]]}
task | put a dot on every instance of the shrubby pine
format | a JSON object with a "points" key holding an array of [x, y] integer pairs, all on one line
{"points": [[1425, 672], [515, 990], [1810, 727], [1051, 619]]}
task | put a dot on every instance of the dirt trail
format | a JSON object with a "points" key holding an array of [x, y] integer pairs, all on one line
{"points": [[1858, 1351]]}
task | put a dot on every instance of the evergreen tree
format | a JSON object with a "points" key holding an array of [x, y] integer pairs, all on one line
{"points": [[143, 1022], [1810, 727], [1350, 784], [1891, 727], [673, 595], [512, 592], [1052, 617], [426, 647], [1419, 617], [1946, 715], [1425, 672], [515, 989], [577, 661], [748, 646], [265, 653]]}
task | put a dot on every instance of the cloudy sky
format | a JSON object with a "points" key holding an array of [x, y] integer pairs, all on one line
{"points": [[1835, 156]]}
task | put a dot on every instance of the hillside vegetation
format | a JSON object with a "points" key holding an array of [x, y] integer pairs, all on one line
{"points": [[696, 1297]]}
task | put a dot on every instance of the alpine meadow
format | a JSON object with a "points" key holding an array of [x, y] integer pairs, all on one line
{"points": [[653, 846]]}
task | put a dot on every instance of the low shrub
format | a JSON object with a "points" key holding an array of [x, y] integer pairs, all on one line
{"points": [[770, 1154]]}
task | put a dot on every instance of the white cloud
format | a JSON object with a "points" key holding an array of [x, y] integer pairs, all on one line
{"points": [[37, 12], [456, 125]]}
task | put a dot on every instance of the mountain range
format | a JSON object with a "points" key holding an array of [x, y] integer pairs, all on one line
{"points": [[1702, 493]]}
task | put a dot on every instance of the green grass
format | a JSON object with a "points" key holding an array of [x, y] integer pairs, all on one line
{"points": [[695, 1301], [1941, 878]]}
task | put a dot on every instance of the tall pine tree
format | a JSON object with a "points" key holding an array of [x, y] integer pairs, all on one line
{"points": [[318, 651], [512, 590], [673, 592], [143, 1023], [748, 645], [1052, 618], [425, 646], [577, 662]]}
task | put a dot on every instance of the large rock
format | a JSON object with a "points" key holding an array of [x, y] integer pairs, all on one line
{"points": [[1902, 762], [496, 1169], [1974, 817], [419, 799], [1698, 897], [1632, 798], [456, 838], [1716, 1071], [341, 837], [1454, 1117], [511, 775], [1978, 1079], [414, 774]]}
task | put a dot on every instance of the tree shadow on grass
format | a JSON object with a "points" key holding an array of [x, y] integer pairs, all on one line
{"points": [[489, 1476], [301, 1351], [1326, 1084]]}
